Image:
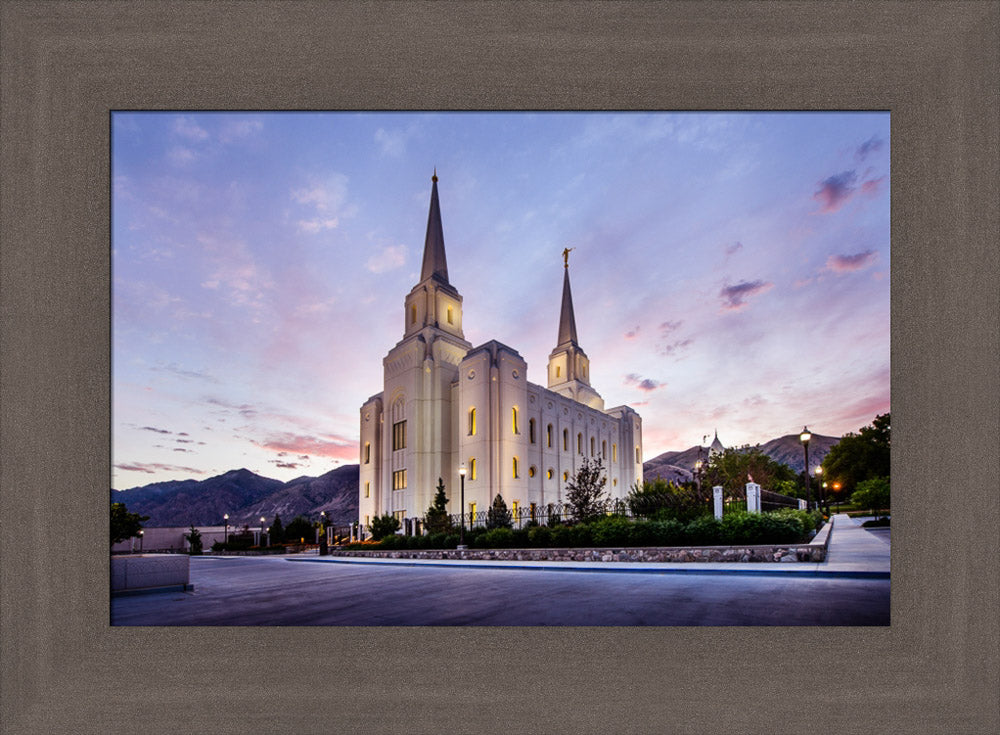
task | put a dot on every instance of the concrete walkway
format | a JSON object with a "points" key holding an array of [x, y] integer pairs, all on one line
{"points": [[854, 552]]}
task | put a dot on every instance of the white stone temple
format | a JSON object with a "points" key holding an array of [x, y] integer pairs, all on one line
{"points": [[445, 404]]}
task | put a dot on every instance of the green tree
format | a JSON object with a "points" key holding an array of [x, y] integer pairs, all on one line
{"points": [[124, 525], [194, 538], [859, 457], [436, 518], [498, 516], [733, 468], [872, 493], [382, 526], [665, 499], [277, 531], [298, 530], [585, 497]]}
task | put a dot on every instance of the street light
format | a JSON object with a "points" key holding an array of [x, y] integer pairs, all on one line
{"points": [[262, 522], [461, 518], [324, 547], [226, 519], [140, 540], [804, 437], [822, 489]]}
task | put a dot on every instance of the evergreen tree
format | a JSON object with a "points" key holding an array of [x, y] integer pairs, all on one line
{"points": [[194, 538], [124, 525], [585, 497], [436, 518], [498, 516], [277, 531], [383, 525]]}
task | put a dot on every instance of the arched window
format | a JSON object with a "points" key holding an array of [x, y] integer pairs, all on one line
{"points": [[449, 316], [558, 371], [472, 468], [565, 476], [413, 314], [565, 440], [548, 436], [604, 448], [515, 468], [614, 452], [531, 430], [638, 456], [513, 418], [368, 489], [579, 443], [368, 452], [592, 440], [531, 471], [472, 421], [549, 474]]}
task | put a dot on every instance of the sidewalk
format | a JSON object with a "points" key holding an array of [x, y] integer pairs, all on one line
{"points": [[854, 553]]}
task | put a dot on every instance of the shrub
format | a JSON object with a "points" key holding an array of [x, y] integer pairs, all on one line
{"points": [[498, 516], [381, 526], [809, 520], [661, 499], [496, 538], [520, 540], [760, 528], [667, 532], [611, 531], [539, 536], [703, 531]]}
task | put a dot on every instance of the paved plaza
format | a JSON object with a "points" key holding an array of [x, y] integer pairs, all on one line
{"points": [[850, 588]]}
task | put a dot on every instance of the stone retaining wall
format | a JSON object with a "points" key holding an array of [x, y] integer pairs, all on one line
{"points": [[811, 552]]}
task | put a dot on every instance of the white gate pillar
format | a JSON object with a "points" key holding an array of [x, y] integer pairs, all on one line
{"points": [[753, 497], [717, 500]]}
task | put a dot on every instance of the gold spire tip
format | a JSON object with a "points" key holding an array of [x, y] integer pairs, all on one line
{"points": [[434, 178], [565, 254]]}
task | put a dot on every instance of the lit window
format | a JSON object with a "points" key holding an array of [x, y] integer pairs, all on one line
{"points": [[533, 509], [413, 314], [531, 430], [548, 436], [565, 440], [565, 476], [400, 515], [549, 474], [558, 371], [472, 422], [368, 489], [472, 468], [472, 513], [615, 482], [513, 416], [399, 435], [368, 452], [638, 455], [614, 452], [513, 509], [531, 471], [399, 479], [367, 519], [449, 316], [515, 468]]}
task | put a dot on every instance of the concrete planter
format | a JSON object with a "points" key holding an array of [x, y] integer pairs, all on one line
{"points": [[149, 572]]}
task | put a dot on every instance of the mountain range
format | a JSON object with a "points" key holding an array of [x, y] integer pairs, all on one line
{"points": [[247, 496]]}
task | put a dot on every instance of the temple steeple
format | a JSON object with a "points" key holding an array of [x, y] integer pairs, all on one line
{"points": [[435, 264], [567, 321], [569, 366]]}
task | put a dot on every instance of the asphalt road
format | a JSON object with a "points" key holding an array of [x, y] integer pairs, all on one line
{"points": [[275, 591]]}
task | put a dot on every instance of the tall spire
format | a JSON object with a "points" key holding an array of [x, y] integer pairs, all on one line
{"points": [[435, 266], [567, 322]]}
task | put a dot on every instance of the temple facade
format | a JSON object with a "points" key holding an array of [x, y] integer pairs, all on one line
{"points": [[445, 404]]}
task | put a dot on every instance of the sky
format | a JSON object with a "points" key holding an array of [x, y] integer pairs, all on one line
{"points": [[730, 271]]}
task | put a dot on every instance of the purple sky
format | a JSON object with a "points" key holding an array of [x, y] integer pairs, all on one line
{"points": [[730, 271]]}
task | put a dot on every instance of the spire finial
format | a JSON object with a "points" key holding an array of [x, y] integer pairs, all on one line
{"points": [[566, 252], [434, 178]]}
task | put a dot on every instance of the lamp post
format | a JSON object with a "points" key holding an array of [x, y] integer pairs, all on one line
{"points": [[821, 488], [262, 522], [140, 540], [324, 547], [226, 519], [461, 517], [804, 437]]}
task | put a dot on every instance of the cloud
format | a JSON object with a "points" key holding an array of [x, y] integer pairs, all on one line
{"points": [[153, 428], [393, 143], [328, 446], [327, 196], [850, 263], [869, 146], [672, 347], [244, 409], [734, 297], [389, 258], [284, 465], [188, 128], [667, 327], [734, 248], [181, 156], [184, 441], [632, 333], [182, 449], [239, 130], [644, 384], [177, 370], [312, 226], [152, 468], [835, 191], [871, 187]]}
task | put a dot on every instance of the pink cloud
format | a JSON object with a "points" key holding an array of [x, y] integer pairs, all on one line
{"points": [[632, 333], [734, 297], [835, 191], [333, 446], [154, 467], [871, 187], [644, 384], [850, 263]]}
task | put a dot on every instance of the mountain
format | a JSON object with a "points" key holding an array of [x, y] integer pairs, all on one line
{"points": [[246, 497], [679, 465]]}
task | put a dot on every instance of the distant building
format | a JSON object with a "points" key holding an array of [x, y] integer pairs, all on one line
{"points": [[716, 446], [445, 403]]}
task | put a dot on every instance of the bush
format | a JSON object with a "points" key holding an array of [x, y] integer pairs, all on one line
{"points": [[809, 520], [667, 532], [703, 531], [539, 536], [760, 528], [495, 538], [381, 526], [611, 531]]}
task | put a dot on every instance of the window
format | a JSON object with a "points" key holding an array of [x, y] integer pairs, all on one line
{"points": [[515, 468], [638, 456], [614, 452], [558, 371], [413, 314], [399, 479], [531, 430], [549, 474], [368, 489], [513, 509], [531, 471], [592, 440], [565, 440], [368, 452], [615, 482], [472, 468], [367, 520], [548, 436], [565, 476], [472, 421], [449, 316], [579, 443], [513, 419], [604, 448], [399, 435], [399, 515], [472, 513], [533, 509]]}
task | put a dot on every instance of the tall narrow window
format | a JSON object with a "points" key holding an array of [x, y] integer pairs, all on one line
{"points": [[513, 510], [472, 514], [449, 316], [548, 436], [399, 515], [614, 452], [549, 474], [638, 456], [399, 480], [592, 446], [472, 422], [558, 371], [579, 443], [604, 448], [513, 418], [534, 509], [565, 440], [531, 471], [515, 468], [368, 489], [565, 476], [531, 430], [472, 468], [368, 452], [413, 314], [399, 435]]}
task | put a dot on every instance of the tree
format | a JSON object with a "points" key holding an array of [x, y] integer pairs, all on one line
{"points": [[194, 538], [277, 531], [667, 499], [872, 493], [859, 457], [498, 516], [383, 525], [436, 518], [733, 468], [124, 525], [299, 530], [585, 491]]}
